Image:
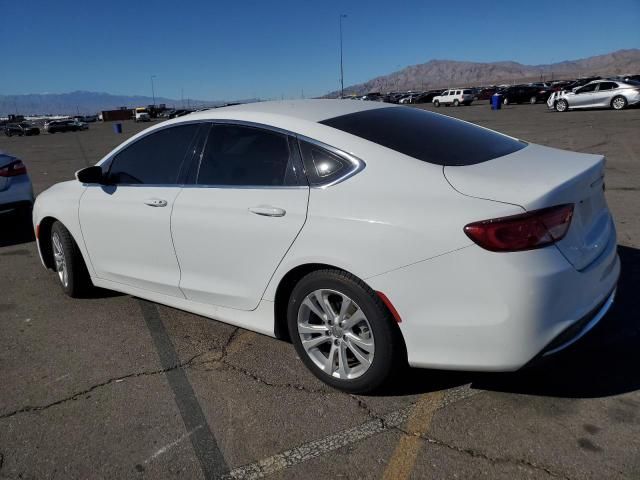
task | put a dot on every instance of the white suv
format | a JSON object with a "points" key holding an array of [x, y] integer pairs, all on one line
{"points": [[454, 97]]}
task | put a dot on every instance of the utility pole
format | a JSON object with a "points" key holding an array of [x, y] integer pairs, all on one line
{"points": [[153, 91], [342, 15]]}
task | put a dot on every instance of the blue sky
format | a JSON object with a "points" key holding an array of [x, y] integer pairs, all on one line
{"points": [[238, 49]]}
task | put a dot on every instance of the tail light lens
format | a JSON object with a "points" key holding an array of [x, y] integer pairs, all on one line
{"points": [[13, 169], [527, 231]]}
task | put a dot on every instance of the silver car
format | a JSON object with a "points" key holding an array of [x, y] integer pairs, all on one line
{"points": [[597, 94], [16, 192]]}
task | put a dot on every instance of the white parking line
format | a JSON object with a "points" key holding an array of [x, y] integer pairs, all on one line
{"points": [[317, 448]]}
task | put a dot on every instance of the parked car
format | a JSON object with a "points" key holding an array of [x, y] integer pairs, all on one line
{"points": [[486, 93], [524, 94], [22, 128], [455, 97], [307, 186], [56, 126], [16, 192], [597, 94], [81, 125]]}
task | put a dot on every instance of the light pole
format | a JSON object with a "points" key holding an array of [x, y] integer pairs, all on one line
{"points": [[342, 15], [153, 91]]}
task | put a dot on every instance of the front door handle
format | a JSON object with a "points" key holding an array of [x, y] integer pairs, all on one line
{"points": [[268, 211], [155, 202]]}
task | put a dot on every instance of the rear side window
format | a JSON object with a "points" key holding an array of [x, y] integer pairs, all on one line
{"points": [[426, 136], [324, 167], [155, 159], [237, 155], [608, 86]]}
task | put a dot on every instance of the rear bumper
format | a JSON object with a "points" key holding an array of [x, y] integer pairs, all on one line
{"points": [[477, 310], [17, 194]]}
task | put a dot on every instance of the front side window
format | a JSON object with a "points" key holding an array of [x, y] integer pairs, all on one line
{"points": [[155, 159], [588, 88], [238, 155]]}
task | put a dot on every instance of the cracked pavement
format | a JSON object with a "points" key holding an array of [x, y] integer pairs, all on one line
{"points": [[94, 388]]}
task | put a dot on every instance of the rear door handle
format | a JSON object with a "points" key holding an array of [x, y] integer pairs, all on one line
{"points": [[155, 202], [268, 211]]}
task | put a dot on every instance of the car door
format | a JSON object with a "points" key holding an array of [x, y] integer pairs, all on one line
{"points": [[233, 226], [603, 95], [583, 96], [126, 224]]}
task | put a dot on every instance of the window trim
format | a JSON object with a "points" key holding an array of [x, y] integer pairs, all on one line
{"points": [[357, 164], [293, 138]]}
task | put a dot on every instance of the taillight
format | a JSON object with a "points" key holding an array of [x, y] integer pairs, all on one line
{"points": [[13, 169], [527, 231]]}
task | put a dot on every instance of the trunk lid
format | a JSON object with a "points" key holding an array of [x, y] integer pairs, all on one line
{"points": [[538, 177]]}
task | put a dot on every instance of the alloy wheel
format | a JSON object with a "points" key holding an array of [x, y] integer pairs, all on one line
{"points": [[60, 261], [335, 334], [618, 103]]}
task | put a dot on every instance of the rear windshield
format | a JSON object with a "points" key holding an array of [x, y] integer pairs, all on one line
{"points": [[427, 136], [466, 91]]}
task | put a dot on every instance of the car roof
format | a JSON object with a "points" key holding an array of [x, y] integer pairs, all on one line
{"points": [[315, 110]]}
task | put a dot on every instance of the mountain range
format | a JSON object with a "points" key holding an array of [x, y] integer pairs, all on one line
{"points": [[85, 103], [432, 74], [451, 73]]}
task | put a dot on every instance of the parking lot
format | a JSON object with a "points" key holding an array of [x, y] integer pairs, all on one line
{"points": [[117, 387]]}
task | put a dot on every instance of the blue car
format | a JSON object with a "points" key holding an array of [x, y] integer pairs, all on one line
{"points": [[16, 192]]}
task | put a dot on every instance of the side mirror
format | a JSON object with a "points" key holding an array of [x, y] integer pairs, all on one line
{"points": [[90, 175]]}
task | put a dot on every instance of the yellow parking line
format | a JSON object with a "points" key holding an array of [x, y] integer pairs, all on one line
{"points": [[404, 456]]}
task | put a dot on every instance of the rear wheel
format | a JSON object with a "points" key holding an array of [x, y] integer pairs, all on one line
{"points": [[343, 332], [618, 103], [436, 104], [533, 100], [562, 106], [68, 262], [456, 103]]}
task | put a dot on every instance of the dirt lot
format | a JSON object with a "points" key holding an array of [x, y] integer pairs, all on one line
{"points": [[117, 387]]}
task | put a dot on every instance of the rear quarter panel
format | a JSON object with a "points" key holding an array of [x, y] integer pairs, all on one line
{"points": [[395, 212]]}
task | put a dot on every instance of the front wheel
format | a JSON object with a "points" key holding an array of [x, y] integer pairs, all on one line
{"points": [[533, 100], [343, 332], [68, 262], [562, 106], [505, 101], [619, 103]]}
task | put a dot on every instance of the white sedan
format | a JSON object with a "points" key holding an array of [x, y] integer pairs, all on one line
{"points": [[369, 235]]}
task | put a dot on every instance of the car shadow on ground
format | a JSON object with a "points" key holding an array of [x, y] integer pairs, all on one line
{"points": [[603, 363], [15, 229]]}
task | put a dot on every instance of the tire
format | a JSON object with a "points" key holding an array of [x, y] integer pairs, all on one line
{"points": [[562, 105], [68, 263], [618, 102], [505, 101], [436, 104], [456, 103], [533, 100], [365, 354], [8, 133]]}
